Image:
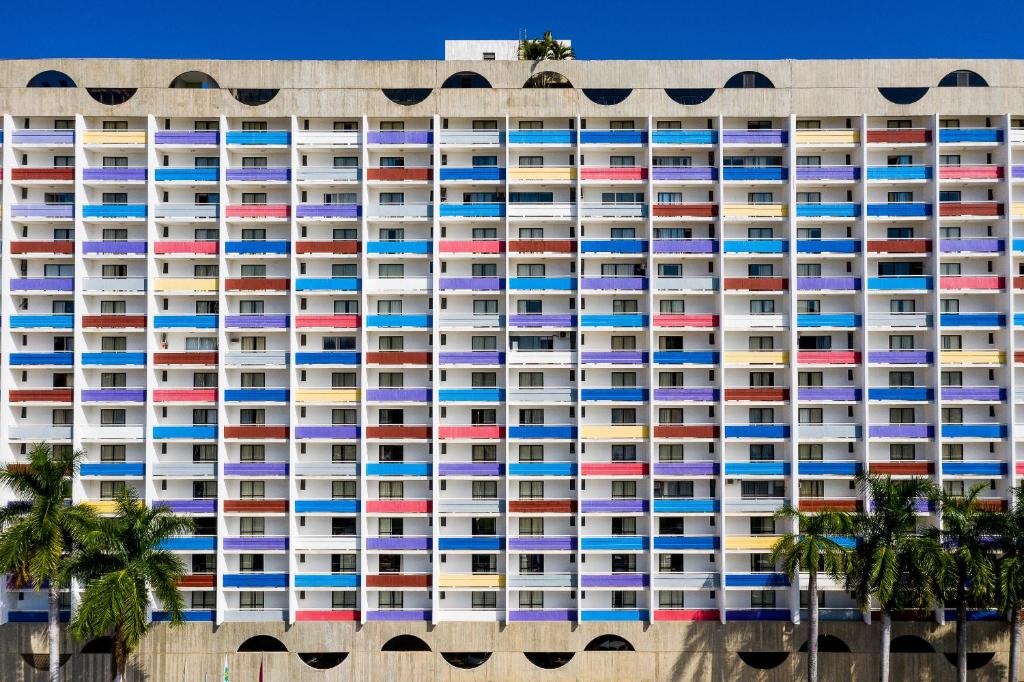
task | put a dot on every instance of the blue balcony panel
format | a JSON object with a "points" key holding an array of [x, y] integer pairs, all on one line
{"points": [[542, 469], [114, 359], [398, 469], [756, 468]]}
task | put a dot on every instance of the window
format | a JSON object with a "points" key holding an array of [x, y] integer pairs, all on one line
{"points": [[530, 599], [390, 599], [531, 490], [343, 452], [252, 453], [250, 601], [623, 453], [112, 453], [673, 489], [252, 490], [622, 599], [901, 452], [344, 600], [531, 526], [623, 489], [624, 525], [343, 490], [484, 600], [811, 451], [252, 525], [531, 453], [485, 490]]}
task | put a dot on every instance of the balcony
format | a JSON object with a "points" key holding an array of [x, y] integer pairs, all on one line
{"points": [[971, 172], [900, 357], [899, 431], [265, 138], [901, 173], [970, 135], [970, 209], [827, 210], [326, 175], [754, 246], [42, 321], [472, 321], [43, 138], [900, 283], [186, 138], [114, 248], [48, 248], [400, 137], [187, 175], [616, 210], [259, 211], [476, 210], [828, 173], [473, 174], [118, 174], [755, 137], [900, 210], [114, 211], [337, 247], [334, 432], [755, 211], [549, 210], [542, 284], [899, 136], [828, 394], [471, 283], [614, 174], [258, 174], [899, 246], [401, 174], [755, 173], [685, 210], [471, 138], [541, 432], [128, 285], [618, 136], [44, 211], [327, 138], [686, 357], [756, 284], [686, 321], [256, 284], [58, 174], [257, 247], [542, 137], [187, 212]]}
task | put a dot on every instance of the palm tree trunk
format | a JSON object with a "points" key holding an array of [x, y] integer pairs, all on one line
{"points": [[119, 655], [961, 638], [1014, 642], [53, 629], [886, 638], [812, 626]]}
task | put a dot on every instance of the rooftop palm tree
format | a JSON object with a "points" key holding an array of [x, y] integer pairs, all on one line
{"points": [[814, 547], [38, 533], [967, 570], [1010, 574], [893, 562], [123, 561], [544, 48]]}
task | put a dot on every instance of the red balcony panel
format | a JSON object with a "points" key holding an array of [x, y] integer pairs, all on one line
{"points": [[1020, 467], [188, 248], [400, 174], [398, 506], [398, 358], [902, 468], [542, 246], [686, 614], [899, 136], [685, 210], [549, 506], [190, 358], [199, 580], [185, 395], [756, 283], [704, 321], [328, 321], [899, 245], [615, 469], [981, 208], [970, 172], [258, 211], [613, 173], [757, 394], [257, 506], [43, 247], [43, 395], [681, 431], [489, 431], [114, 321], [472, 246], [981, 282], [828, 357], [339, 247], [992, 505], [58, 174], [327, 616], [1018, 356], [256, 284], [817, 505], [1018, 282], [398, 431], [256, 431], [397, 580]]}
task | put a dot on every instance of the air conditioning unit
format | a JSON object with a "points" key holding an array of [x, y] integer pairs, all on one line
{"points": [[233, 339], [730, 481]]}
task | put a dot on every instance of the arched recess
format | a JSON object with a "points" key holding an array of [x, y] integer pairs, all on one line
{"points": [[323, 660], [549, 660], [763, 660], [749, 79], [254, 97], [466, 79], [689, 96], [609, 643], [262, 643], [406, 96], [963, 78], [829, 644], [194, 80], [975, 659], [405, 643], [903, 95], [547, 79], [100, 645], [910, 644], [467, 660], [51, 79], [111, 96], [42, 661], [607, 96]]}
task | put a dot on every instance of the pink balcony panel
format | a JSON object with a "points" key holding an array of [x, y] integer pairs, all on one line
{"points": [[970, 172], [614, 174], [982, 282], [828, 357], [704, 321], [471, 431], [615, 469], [327, 321], [165, 248], [398, 506], [258, 211], [185, 395], [479, 246]]}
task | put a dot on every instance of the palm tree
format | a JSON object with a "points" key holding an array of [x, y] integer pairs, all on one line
{"points": [[1010, 574], [122, 562], [967, 571], [893, 562], [812, 548], [38, 533], [544, 48]]}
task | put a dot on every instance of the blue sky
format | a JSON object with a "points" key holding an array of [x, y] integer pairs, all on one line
{"points": [[406, 29]]}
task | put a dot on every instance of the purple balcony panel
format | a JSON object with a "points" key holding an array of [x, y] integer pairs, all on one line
{"points": [[472, 358], [615, 283], [703, 394], [255, 542], [101, 395], [754, 136], [684, 246], [920, 505], [43, 211], [684, 173], [342, 432], [44, 136], [546, 616], [472, 283], [814, 393], [827, 173], [397, 543], [327, 211], [614, 580], [613, 505], [981, 393], [126, 248], [1018, 172], [255, 468], [902, 357], [418, 395], [624, 357], [399, 615], [973, 245], [527, 321], [541, 543], [188, 506], [827, 283], [114, 173], [470, 469], [685, 468], [399, 137], [257, 174], [900, 431], [43, 284], [187, 137], [256, 321]]}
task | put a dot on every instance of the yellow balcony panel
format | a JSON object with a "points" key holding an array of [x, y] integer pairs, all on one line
{"points": [[482, 581], [327, 395], [103, 506], [114, 137], [751, 542], [972, 357], [827, 137], [743, 357], [551, 174], [614, 431], [754, 211], [1017, 209], [186, 284]]}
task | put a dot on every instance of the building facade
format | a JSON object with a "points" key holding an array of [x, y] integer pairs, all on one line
{"points": [[419, 343]]}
